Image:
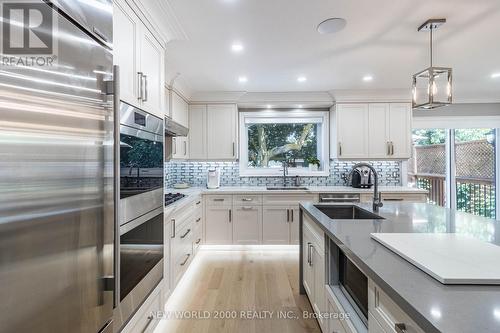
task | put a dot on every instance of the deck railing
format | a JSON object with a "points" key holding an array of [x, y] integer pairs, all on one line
{"points": [[476, 196]]}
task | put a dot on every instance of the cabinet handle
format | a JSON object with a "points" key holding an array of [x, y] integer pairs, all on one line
{"points": [[388, 148], [247, 199], [185, 261], [219, 199], [394, 199], [199, 202], [392, 148], [145, 99], [230, 216], [172, 232], [291, 210], [174, 145], [400, 327], [340, 149], [288, 215], [198, 219], [234, 152], [150, 320], [139, 78], [309, 253], [187, 232], [185, 148], [198, 241], [247, 208], [312, 255]]}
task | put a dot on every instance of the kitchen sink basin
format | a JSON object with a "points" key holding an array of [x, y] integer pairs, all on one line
{"points": [[347, 212], [286, 188]]}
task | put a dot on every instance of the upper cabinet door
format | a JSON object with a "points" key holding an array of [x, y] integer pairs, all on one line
{"points": [[126, 51], [180, 109], [152, 68], [197, 132], [352, 130], [221, 131], [378, 129], [400, 130]]}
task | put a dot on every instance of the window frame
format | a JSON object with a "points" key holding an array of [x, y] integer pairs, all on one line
{"points": [[321, 117]]}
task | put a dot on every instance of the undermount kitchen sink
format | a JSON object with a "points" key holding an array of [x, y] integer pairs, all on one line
{"points": [[286, 188], [347, 212]]}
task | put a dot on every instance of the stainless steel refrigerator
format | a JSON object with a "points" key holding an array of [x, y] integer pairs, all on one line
{"points": [[57, 205]]}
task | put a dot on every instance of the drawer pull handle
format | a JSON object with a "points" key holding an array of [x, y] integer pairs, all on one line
{"points": [[187, 232], [198, 219], [247, 199], [199, 202], [150, 320], [219, 199], [246, 208], [172, 233], [186, 260], [400, 328], [198, 241], [394, 199]]}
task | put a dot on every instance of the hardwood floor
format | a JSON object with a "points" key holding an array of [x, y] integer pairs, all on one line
{"points": [[253, 288]]}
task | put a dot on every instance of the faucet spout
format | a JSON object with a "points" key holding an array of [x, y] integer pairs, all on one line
{"points": [[377, 202]]}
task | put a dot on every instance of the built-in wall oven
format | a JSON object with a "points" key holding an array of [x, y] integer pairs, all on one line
{"points": [[140, 244]]}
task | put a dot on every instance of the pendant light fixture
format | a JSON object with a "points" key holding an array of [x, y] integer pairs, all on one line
{"points": [[432, 87]]}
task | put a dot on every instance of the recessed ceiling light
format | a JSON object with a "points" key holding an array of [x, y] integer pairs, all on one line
{"points": [[302, 79], [331, 25], [367, 78], [242, 79], [495, 75], [237, 47]]}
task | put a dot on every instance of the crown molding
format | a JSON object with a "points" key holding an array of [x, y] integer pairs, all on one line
{"points": [[371, 95]]}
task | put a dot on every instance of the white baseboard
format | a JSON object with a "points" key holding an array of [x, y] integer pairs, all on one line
{"points": [[259, 247]]}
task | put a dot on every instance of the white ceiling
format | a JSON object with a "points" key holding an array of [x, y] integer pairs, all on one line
{"points": [[380, 39]]}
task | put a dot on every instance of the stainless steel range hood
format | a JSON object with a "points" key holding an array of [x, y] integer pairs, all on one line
{"points": [[175, 129]]}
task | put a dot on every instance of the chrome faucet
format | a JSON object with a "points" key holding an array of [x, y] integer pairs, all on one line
{"points": [[377, 202], [285, 171]]}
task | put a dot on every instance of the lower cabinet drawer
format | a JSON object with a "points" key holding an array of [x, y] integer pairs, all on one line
{"points": [[387, 313], [340, 321], [373, 325], [145, 317]]}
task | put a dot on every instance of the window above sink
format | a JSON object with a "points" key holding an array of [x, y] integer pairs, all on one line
{"points": [[269, 137]]}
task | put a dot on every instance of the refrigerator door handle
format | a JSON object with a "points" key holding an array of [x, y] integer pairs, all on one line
{"points": [[139, 86], [145, 98], [116, 173]]}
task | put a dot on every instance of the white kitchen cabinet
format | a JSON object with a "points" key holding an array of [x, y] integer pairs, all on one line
{"points": [[247, 224], [180, 148], [371, 131], [276, 228], [141, 59], [373, 325], [197, 132], [218, 225], [126, 26], [180, 109], [294, 225], [152, 67], [386, 313], [378, 129], [352, 131], [400, 115], [318, 266], [308, 271], [222, 137]]}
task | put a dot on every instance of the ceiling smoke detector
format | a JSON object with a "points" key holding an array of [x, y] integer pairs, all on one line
{"points": [[332, 25]]}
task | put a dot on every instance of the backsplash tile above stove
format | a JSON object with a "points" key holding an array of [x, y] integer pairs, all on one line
{"points": [[195, 173]]}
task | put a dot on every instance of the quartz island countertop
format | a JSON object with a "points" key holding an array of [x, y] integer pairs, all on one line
{"points": [[434, 306]]}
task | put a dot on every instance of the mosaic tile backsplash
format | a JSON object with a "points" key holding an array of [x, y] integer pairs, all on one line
{"points": [[195, 173]]}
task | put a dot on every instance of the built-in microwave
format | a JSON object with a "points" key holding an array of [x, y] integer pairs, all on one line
{"points": [[348, 282]]}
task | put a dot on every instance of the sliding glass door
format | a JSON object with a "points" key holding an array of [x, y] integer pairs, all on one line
{"points": [[474, 170], [457, 167]]}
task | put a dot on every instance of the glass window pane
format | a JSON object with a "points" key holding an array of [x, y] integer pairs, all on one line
{"points": [[269, 144], [427, 167], [475, 171]]}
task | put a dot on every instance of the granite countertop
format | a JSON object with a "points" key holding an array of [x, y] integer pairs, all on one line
{"points": [[311, 189], [432, 305]]}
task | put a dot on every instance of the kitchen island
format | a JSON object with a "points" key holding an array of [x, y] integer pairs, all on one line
{"points": [[433, 306]]}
